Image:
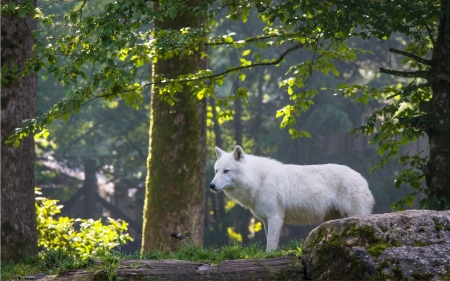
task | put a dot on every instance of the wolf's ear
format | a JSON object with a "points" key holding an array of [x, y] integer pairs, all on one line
{"points": [[238, 153], [219, 152]]}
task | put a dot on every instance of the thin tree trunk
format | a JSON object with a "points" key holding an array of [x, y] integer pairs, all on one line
{"points": [[18, 102], [244, 218], [219, 196], [238, 129], [175, 186], [90, 189], [438, 176], [258, 117]]}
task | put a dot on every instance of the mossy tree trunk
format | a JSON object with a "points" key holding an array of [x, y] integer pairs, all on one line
{"points": [[438, 176], [18, 102], [175, 186]]}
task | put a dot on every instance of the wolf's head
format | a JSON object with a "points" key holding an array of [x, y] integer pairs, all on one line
{"points": [[228, 168]]}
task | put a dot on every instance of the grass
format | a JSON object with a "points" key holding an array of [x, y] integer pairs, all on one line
{"points": [[52, 262], [57, 261]]}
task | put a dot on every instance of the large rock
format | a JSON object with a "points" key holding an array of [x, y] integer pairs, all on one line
{"points": [[409, 245]]}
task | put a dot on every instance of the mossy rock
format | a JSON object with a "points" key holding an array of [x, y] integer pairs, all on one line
{"points": [[403, 245]]}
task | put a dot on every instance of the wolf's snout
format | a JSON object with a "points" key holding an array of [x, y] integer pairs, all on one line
{"points": [[212, 186]]}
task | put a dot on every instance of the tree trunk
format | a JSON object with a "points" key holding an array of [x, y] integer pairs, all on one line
{"points": [[438, 179], [238, 129], [219, 196], [90, 189], [244, 218], [258, 117], [18, 102], [175, 186], [282, 268]]}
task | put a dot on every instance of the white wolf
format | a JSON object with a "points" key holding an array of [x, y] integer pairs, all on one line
{"points": [[276, 193]]}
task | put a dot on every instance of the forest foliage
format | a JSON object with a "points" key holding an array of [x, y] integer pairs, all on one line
{"points": [[80, 238], [317, 49]]}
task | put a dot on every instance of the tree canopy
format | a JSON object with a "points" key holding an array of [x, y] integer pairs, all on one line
{"points": [[96, 57]]}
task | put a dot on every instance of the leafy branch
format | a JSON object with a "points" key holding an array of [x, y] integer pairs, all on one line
{"points": [[239, 68]]}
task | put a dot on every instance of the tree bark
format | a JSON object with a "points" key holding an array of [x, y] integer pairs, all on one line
{"points": [[282, 268], [438, 109], [175, 186], [18, 102]]}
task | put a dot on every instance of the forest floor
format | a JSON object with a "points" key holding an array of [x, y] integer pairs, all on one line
{"points": [[57, 262]]}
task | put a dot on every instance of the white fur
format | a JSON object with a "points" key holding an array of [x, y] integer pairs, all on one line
{"points": [[277, 193]]}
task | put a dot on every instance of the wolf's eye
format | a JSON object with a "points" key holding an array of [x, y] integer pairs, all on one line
{"points": [[225, 171], [216, 171]]}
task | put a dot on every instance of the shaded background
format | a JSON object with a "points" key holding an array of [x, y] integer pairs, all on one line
{"points": [[95, 163]]}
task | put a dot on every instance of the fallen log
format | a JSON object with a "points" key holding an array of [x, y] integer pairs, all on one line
{"points": [[281, 268]]}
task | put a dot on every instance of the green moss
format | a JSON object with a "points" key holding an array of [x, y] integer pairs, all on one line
{"points": [[383, 228], [380, 275], [334, 251], [446, 276], [319, 236], [419, 244], [365, 234], [349, 267], [422, 276], [391, 243], [397, 273], [376, 250], [383, 264], [438, 225], [421, 230]]}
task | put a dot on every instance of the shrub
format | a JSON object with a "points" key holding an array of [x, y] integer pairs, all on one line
{"points": [[77, 237]]}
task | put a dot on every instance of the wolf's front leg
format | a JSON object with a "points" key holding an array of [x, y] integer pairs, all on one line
{"points": [[274, 226]]}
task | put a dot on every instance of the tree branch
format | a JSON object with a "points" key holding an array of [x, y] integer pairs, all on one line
{"points": [[431, 35], [234, 69], [409, 55], [414, 74], [443, 76], [249, 40]]}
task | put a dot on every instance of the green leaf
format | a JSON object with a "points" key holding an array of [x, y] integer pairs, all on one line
{"points": [[306, 134], [66, 116], [111, 63]]}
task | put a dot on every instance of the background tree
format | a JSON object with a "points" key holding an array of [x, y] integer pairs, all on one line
{"points": [[175, 187], [94, 162], [18, 101]]}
